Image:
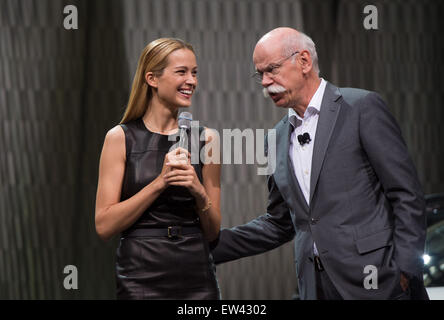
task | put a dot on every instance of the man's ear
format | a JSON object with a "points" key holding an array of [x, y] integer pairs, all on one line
{"points": [[151, 79], [307, 63]]}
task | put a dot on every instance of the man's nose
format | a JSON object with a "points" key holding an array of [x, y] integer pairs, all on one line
{"points": [[266, 80]]}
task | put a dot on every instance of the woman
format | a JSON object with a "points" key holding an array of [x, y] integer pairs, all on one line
{"points": [[165, 209]]}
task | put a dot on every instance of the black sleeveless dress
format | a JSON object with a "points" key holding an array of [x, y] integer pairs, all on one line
{"points": [[161, 267]]}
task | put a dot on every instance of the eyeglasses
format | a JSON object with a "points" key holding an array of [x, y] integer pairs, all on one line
{"points": [[272, 70]]}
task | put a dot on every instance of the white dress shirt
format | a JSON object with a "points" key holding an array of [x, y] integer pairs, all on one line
{"points": [[301, 156]]}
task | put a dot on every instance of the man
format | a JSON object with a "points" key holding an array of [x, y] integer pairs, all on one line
{"points": [[344, 188]]}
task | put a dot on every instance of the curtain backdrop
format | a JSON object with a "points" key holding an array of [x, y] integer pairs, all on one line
{"points": [[62, 90]]}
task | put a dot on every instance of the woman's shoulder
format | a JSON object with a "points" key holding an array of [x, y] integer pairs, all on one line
{"points": [[115, 135], [116, 132], [114, 145]]}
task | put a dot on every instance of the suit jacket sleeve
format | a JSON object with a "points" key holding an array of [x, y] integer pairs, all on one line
{"points": [[389, 157], [259, 235]]}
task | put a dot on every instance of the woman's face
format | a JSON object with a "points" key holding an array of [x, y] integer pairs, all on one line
{"points": [[179, 79]]}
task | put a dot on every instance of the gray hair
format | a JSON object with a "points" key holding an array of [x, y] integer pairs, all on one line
{"points": [[303, 42]]}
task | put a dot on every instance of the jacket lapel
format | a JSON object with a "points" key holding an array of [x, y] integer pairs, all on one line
{"points": [[326, 123], [284, 171]]}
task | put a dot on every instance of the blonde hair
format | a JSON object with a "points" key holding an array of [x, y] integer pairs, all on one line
{"points": [[154, 58]]}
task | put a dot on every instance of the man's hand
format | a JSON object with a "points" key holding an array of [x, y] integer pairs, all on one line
{"points": [[404, 282]]}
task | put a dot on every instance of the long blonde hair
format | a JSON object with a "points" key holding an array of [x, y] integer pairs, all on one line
{"points": [[154, 58]]}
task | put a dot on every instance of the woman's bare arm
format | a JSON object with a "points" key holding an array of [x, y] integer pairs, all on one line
{"points": [[211, 219], [113, 216]]}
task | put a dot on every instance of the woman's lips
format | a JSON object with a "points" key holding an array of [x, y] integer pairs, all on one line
{"points": [[186, 93]]}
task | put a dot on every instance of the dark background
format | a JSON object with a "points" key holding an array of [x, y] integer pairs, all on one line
{"points": [[62, 90]]}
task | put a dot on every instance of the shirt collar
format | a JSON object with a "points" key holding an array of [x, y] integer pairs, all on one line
{"points": [[314, 106]]}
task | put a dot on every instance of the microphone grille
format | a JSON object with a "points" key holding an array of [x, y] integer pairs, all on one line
{"points": [[185, 119]]}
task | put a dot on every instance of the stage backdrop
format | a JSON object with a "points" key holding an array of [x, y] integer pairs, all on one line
{"points": [[62, 90]]}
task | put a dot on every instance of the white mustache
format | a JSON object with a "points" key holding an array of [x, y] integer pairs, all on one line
{"points": [[275, 88]]}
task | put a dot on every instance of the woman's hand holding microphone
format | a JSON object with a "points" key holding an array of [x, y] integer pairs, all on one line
{"points": [[178, 171]]}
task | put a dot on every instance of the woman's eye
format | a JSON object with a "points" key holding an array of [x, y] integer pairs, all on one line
{"points": [[181, 71]]}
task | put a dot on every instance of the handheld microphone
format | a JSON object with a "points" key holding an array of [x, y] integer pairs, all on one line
{"points": [[185, 119], [304, 138]]}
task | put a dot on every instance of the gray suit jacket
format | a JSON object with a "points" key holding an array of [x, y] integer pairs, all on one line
{"points": [[366, 204]]}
